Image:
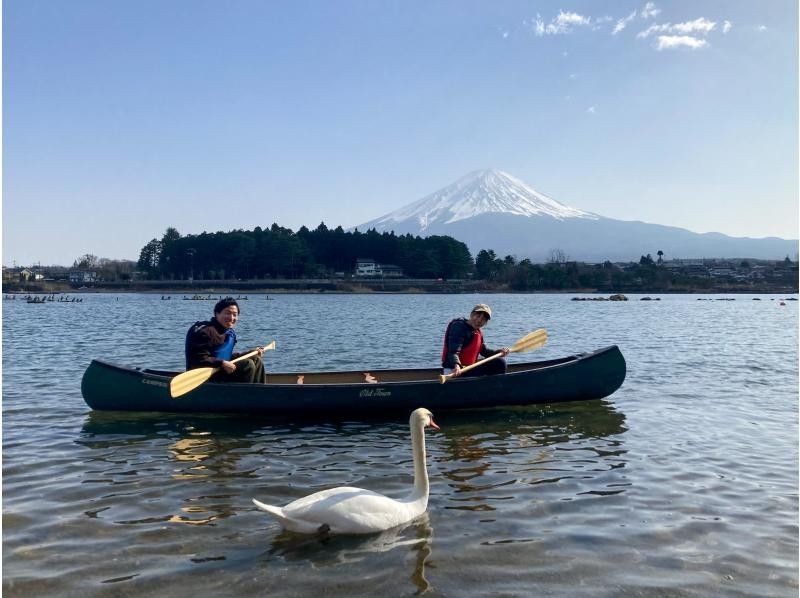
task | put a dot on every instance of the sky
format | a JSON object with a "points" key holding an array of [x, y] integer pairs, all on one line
{"points": [[121, 119]]}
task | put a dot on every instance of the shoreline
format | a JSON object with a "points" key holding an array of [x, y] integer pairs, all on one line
{"points": [[395, 287]]}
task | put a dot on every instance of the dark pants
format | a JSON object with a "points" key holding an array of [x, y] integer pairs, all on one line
{"points": [[495, 366], [248, 370]]}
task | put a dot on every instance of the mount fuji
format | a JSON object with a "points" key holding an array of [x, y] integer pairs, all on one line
{"points": [[490, 209]]}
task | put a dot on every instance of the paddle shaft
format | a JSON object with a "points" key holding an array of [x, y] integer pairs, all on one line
{"points": [[191, 379], [245, 356], [444, 377], [268, 347]]}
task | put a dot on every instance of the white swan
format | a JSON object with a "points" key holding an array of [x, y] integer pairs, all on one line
{"points": [[348, 510]]}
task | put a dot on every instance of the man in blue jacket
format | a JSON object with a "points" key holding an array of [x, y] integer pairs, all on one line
{"points": [[210, 344]]}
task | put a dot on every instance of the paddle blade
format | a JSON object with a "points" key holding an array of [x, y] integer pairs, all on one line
{"points": [[529, 342], [189, 380]]}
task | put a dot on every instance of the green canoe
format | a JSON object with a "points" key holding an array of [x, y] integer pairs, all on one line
{"points": [[580, 377]]}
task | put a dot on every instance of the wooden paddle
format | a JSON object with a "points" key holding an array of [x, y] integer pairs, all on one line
{"points": [[191, 379], [529, 342]]}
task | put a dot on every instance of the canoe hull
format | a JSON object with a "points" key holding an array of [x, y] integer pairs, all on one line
{"points": [[586, 376]]}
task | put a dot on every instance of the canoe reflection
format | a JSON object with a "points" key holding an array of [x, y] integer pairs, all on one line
{"points": [[142, 451], [489, 458]]}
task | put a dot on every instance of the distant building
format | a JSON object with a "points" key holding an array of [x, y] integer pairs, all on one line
{"points": [[369, 267], [82, 276], [390, 270], [722, 272]]}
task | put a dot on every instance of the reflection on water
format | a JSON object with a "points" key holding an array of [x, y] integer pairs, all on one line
{"points": [[488, 456], [221, 449], [670, 487], [199, 447], [481, 461], [327, 551]]}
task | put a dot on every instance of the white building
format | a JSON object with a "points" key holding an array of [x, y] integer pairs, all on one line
{"points": [[82, 276], [369, 267]]}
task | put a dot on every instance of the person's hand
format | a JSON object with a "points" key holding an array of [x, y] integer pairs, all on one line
{"points": [[456, 371], [260, 351], [505, 351], [229, 367]]}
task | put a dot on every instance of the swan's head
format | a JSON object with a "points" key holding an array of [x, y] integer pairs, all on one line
{"points": [[424, 417]]}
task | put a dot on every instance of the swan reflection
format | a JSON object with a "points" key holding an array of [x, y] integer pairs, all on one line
{"points": [[333, 550]]}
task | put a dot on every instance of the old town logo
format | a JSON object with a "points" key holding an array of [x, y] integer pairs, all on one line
{"points": [[374, 392]]}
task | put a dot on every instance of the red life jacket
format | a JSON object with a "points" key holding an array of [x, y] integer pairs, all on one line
{"points": [[469, 352]]}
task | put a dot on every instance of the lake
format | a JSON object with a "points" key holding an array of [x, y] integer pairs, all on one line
{"points": [[682, 483]]}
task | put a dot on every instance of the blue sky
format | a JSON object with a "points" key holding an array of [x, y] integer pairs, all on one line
{"points": [[123, 118]]}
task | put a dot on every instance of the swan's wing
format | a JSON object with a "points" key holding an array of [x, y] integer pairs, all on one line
{"points": [[305, 527], [353, 510]]}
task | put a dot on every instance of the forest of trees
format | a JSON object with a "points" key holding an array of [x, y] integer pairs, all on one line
{"points": [[558, 273], [278, 252]]}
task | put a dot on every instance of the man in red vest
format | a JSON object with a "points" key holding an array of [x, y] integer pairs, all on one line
{"points": [[463, 343]]}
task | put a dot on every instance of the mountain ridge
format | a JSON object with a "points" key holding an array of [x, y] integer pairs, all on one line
{"points": [[491, 209], [479, 192]]}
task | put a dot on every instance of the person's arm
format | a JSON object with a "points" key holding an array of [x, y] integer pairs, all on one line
{"points": [[456, 337], [199, 349], [487, 352]]}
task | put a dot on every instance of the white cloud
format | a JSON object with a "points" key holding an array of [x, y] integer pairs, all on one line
{"points": [[652, 29], [762, 27], [726, 26], [562, 24], [668, 42], [622, 23], [566, 19], [591, 110], [700, 26], [538, 27], [650, 10]]}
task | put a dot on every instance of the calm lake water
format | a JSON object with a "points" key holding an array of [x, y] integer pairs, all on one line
{"points": [[682, 483]]}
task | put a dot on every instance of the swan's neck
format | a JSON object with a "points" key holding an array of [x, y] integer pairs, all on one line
{"points": [[421, 486]]}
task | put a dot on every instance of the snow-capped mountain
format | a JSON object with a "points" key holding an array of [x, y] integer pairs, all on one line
{"points": [[479, 192], [490, 209]]}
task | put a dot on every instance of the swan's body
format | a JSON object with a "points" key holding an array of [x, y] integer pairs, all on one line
{"points": [[348, 510]]}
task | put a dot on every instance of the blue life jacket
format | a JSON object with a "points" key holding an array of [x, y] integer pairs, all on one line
{"points": [[225, 350]]}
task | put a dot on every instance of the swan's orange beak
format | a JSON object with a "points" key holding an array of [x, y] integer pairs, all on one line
{"points": [[433, 425]]}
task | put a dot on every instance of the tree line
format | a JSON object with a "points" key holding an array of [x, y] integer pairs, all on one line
{"points": [[278, 252], [647, 274]]}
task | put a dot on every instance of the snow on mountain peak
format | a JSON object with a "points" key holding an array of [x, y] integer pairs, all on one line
{"points": [[481, 192]]}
